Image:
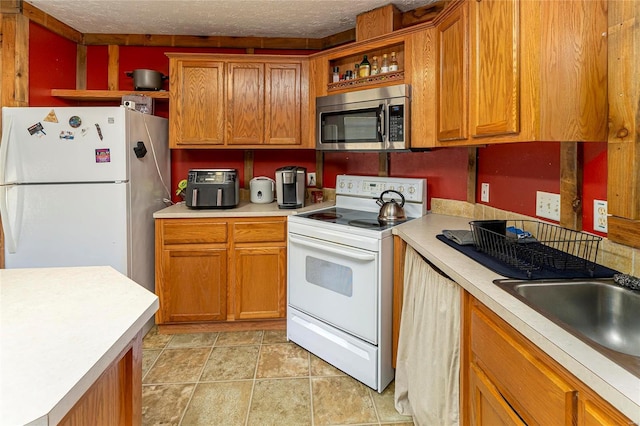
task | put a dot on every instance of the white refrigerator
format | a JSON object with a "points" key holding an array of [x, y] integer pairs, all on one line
{"points": [[79, 186]]}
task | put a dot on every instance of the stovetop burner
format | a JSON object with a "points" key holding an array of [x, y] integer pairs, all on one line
{"points": [[349, 217], [325, 216], [365, 223]]}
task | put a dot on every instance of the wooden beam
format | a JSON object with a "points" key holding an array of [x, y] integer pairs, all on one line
{"points": [[10, 7], [15, 60], [472, 165], [203, 41], [81, 67], [52, 24], [383, 164], [248, 167], [377, 22], [113, 75], [423, 14], [319, 169], [571, 166]]}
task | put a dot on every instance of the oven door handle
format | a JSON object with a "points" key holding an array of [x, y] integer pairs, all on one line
{"points": [[349, 254]]}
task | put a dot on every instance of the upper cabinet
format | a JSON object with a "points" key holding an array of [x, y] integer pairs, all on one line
{"points": [[513, 71], [239, 101]]}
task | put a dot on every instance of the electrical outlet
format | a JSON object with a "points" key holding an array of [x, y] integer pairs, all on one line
{"points": [[600, 216], [548, 205], [311, 179], [484, 193]]}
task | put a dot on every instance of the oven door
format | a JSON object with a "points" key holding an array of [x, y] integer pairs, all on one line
{"points": [[335, 283]]}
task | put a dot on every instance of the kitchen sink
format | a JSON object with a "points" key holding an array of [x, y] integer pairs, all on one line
{"points": [[597, 311]]}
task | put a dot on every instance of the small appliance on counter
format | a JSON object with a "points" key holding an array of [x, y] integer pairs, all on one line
{"points": [[291, 182], [262, 190], [212, 188]]}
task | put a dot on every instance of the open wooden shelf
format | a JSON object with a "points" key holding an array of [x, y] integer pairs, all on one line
{"points": [[105, 95]]}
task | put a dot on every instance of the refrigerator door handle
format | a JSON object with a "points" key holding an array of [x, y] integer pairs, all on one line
{"points": [[9, 242], [4, 146]]}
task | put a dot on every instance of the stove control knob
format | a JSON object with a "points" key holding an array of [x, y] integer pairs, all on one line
{"points": [[350, 185], [392, 187], [341, 184], [401, 189], [412, 190]]}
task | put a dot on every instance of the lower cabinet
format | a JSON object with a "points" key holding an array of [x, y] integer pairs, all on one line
{"points": [[220, 269], [506, 380]]}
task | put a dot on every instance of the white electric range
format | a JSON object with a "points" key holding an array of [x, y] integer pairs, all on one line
{"points": [[340, 276]]}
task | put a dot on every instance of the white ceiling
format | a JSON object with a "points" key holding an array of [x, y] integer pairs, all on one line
{"points": [[240, 18]]}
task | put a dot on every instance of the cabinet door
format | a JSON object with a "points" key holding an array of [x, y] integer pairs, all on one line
{"points": [[592, 412], [452, 77], [260, 282], [282, 111], [245, 103], [488, 407], [196, 105], [420, 72], [494, 31], [193, 285]]}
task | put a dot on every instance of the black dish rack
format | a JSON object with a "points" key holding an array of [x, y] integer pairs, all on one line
{"points": [[529, 245]]}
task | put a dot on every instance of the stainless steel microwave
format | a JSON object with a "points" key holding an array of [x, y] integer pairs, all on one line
{"points": [[365, 120]]}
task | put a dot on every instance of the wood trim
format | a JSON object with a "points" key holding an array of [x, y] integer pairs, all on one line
{"points": [[105, 95], [571, 167], [399, 252], [238, 325]]}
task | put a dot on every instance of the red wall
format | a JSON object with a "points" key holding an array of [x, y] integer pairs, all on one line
{"points": [[514, 171], [52, 64]]}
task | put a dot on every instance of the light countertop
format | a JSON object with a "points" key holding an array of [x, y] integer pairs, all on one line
{"points": [[609, 380], [60, 328], [244, 209]]}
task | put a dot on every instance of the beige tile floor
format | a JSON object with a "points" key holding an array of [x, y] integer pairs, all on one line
{"points": [[251, 378]]}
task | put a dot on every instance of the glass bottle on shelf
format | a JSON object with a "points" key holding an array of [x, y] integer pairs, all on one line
{"points": [[336, 75], [393, 65], [356, 70], [385, 64], [374, 66], [365, 67]]}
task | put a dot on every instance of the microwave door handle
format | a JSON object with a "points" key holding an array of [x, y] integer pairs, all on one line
{"points": [[381, 123], [219, 197]]}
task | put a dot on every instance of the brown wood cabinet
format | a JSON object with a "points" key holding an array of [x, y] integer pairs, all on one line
{"points": [[453, 89], [220, 269], [115, 398], [239, 101], [510, 71], [508, 380], [624, 116]]}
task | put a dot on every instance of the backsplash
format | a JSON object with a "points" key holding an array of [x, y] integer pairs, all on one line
{"points": [[617, 256]]}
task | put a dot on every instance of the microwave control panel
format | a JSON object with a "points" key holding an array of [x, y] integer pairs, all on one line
{"points": [[396, 123]]}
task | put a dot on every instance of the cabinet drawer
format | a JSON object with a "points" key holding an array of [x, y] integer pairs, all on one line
{"points": [[538, 394], [260, 231], [193, 232]]}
